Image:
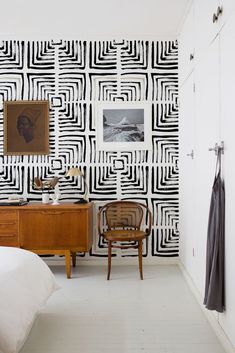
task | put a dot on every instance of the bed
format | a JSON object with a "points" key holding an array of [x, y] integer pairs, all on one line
{"points": [[26, 283]]}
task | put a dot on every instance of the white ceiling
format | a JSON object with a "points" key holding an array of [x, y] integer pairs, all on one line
{"points": [[91, 18]]}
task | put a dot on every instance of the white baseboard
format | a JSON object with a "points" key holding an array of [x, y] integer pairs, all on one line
{"points": [[223, 338], [132, 261]]}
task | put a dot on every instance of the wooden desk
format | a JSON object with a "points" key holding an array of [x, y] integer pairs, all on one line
{"points": [[45, 229]]}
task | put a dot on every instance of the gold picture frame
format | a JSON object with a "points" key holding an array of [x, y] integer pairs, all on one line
{"points": [[26, 127]]}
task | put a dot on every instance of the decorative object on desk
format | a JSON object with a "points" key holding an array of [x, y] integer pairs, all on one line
{"points": [[17, 200], [26, 127], [45, 197], [123, 126], [45, 186], [56, 196], [9, 202], [55, 199], [72, 172]]}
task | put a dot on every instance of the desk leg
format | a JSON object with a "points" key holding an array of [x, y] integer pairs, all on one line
{"points": [[74, 259], [68, 263]]}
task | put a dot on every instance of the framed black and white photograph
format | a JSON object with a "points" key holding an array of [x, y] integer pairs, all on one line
{"points": [[123, 126]]}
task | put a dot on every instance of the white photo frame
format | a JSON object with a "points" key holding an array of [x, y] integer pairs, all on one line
{"points": [[123, 126]]}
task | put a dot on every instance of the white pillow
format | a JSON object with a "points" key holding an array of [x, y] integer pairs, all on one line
{"points": [[26, 283]]}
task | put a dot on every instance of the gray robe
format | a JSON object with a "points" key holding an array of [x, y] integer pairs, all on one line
{"points": [[214, 287]]}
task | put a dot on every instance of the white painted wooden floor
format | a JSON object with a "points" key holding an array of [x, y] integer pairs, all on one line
{"points": [[125, 315]]}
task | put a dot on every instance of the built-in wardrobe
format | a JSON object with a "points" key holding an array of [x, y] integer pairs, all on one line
{"points": [[207, 118]]}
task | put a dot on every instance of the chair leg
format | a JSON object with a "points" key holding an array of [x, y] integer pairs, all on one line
{"points": [[140, 258], [109, 258]]}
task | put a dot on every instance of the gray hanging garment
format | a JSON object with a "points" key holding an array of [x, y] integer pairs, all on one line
{"points": [[214, 286]]}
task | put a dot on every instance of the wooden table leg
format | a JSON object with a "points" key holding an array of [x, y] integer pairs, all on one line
{"points": [[68, 263], [74, 259]]}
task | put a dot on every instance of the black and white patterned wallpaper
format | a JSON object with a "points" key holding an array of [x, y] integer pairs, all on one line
{"points": [[74, 75]]}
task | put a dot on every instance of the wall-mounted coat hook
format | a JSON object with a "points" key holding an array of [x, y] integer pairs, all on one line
{"points": [[218, 147]]}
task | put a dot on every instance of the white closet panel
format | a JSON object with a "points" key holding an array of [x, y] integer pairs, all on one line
{"points": [[207, 134], [214, 73], [187, 174], [228, 7], [186, 47], [227, 46], [205, 29]]}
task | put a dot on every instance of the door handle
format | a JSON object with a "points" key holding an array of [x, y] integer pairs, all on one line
{"points": [[214, 18], [219, 11], [191, 56], [217, 14], [191, 154]]}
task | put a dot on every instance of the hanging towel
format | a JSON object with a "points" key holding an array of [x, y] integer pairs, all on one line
{"points": [[214, 286]]}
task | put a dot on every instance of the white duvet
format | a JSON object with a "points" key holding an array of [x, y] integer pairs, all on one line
{"points": [[26, 283]]}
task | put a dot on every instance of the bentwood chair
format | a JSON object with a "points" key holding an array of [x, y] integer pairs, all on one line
{"points": [[120, 224]]}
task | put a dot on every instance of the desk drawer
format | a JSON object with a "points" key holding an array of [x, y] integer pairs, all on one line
{"points": [[9, 226], [47, 229]]}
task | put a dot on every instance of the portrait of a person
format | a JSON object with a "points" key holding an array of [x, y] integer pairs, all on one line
{"points": [[26, 124], [26, 127]]}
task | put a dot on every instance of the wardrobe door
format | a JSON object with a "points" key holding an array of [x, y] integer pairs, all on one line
{"points": [[205, 28], [206, 135], [186, 47], [228, 9], [187, 174], [227, 40]]}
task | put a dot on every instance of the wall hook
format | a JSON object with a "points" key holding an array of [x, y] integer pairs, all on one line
{"points": [[217, 148]]}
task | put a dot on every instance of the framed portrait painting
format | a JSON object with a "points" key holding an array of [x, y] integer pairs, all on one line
{"points": [[26, 127], [123, 126]]}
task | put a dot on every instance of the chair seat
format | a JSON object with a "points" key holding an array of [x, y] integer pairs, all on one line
{"points": [[124, 234]]}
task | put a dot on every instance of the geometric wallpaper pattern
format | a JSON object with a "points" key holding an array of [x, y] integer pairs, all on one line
{"points": [[74, 75]]}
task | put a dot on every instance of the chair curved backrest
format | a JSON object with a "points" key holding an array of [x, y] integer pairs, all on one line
{"points": [[124, 215]]}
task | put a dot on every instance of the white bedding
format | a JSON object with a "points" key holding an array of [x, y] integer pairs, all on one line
{"points": [[26, 283]]}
